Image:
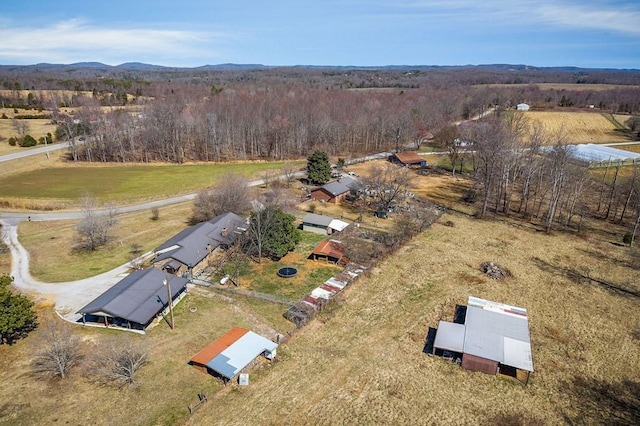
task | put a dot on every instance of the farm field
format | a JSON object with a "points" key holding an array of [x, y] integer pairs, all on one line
{"points": [[65, 183], [563, 86], [361, 361], [580, 127], [37, 128]]}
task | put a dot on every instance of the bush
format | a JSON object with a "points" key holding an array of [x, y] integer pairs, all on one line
{"points": [[28, 141], [12, 141]]}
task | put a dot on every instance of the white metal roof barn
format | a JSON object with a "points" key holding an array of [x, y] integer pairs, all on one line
{"points": [[493, 336], [601, 153]]}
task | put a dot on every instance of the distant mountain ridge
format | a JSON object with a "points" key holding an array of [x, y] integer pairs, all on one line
{"points": [[140, 66]]}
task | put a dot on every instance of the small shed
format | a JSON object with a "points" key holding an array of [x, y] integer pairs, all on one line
{"points": [[232, 352], [320, 224], [408, 158], [522, 107], [329, 250]]}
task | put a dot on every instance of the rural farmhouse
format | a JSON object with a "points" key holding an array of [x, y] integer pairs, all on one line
{"points": [[188, 250], [134, 301]]}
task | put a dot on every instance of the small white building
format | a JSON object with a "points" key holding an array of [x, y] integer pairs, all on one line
{"points": [[523, 107]]}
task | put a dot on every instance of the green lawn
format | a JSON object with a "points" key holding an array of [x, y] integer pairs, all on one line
{"points": [[122, 183]]}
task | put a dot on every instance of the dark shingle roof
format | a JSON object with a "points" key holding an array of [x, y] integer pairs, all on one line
{"points": [[191, 243], [340, 186], [139, 297]]}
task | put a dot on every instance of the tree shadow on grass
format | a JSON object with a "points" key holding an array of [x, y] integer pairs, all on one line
{"points": [[579, 278], [599, 402]]}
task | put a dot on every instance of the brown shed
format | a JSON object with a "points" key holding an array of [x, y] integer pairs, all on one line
{"points": [[476, 363]]}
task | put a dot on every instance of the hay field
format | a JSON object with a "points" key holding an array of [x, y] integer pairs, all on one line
{"points": [[580, 127], [362, 361], [564, 86]]}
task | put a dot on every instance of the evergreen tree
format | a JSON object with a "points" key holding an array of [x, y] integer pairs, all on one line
{"points": [[318, 168], [17, 317]]}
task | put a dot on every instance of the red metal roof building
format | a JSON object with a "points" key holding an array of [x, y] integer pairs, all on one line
{"points": [[330, 250], [230, 353]]}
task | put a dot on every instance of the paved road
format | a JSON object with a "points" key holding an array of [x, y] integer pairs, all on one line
{"points": [[35, 151]]}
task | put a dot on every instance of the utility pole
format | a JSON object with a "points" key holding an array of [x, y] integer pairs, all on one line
{"points": [[167, 283]]}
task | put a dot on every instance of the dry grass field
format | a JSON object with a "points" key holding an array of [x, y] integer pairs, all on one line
{"points": [[37, 128], [361, 361], [564, 86], [49, 242], [580, 127]]}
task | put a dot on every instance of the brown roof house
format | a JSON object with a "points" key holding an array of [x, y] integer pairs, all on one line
{"points": [[408, 158], [336, 191]]}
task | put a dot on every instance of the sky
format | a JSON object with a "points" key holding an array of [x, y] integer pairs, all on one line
{"points": [[191, 33]]}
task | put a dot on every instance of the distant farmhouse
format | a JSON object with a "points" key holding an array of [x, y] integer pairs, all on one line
{"points": [[135, 301], [408, 158], [522, 107], [336, 191], [190, 249]]}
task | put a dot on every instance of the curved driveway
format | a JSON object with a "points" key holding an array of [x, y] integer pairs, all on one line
{"points": [[68, 297]]}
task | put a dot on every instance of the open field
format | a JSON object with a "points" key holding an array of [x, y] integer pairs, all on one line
{"points": [[361, 361], [37, 128], [564, 86], [580, 127], [167, 385], [632, 148], [51, 244], [65, 183]]}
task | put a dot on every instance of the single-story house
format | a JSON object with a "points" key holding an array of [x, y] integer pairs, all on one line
{"points": [[232, 352], [320, 224], [329, 250], [522, 107], [408, 158], [136, 300], [336, 191], [492, 338], [189, 249]]}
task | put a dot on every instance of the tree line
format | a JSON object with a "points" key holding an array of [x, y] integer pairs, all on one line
{"points": [[523, 169]]}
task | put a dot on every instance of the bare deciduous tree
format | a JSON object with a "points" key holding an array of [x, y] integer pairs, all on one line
{"points": [[386, 184], [289, 173], [21, 127], [58, 352], [94, 227], [230, 194], [120, 361]]}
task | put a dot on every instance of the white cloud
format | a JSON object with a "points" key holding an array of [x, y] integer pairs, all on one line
{"points": [[76, 40], [619, 16]]}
